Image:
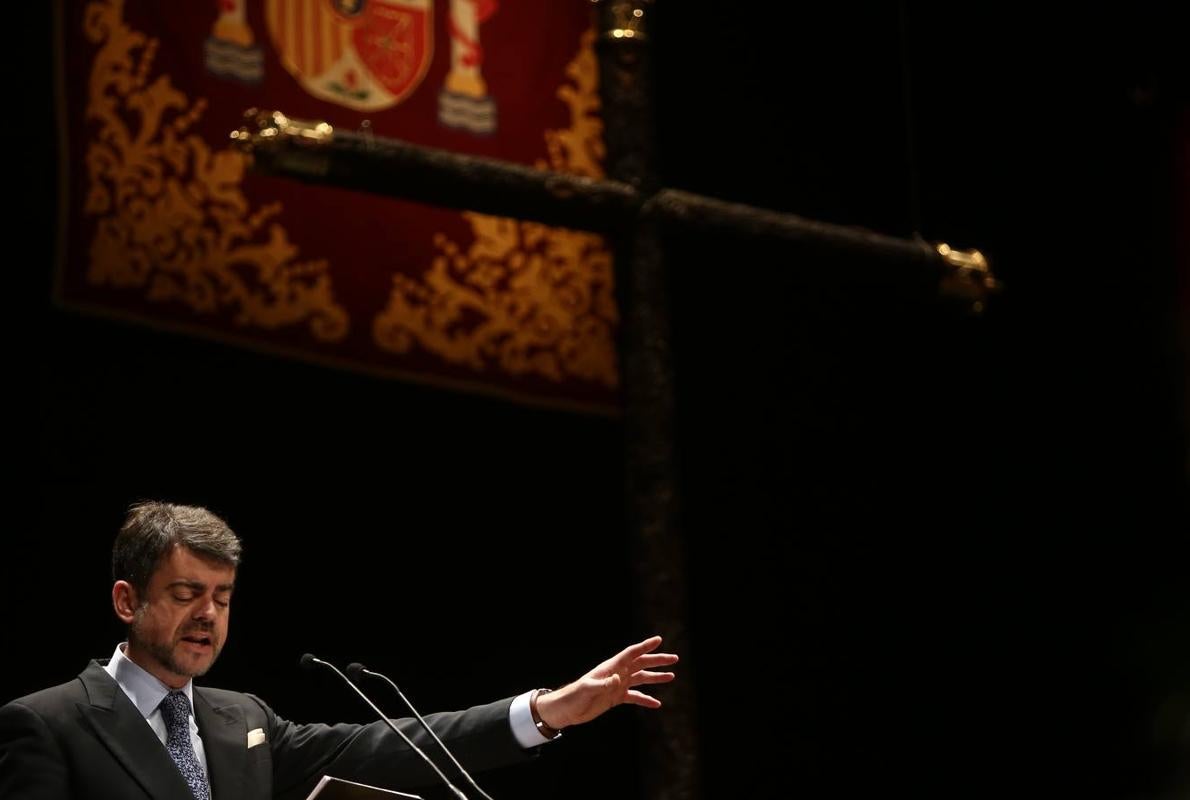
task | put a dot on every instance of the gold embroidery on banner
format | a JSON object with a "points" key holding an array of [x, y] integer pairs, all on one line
{"points": [[172, 219], [523, 297]]}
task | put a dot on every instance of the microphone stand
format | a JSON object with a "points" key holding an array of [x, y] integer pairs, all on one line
{"points": [[308, 661]]}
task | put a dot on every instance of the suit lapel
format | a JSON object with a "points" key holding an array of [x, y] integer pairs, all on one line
{"points": [[224, 734], [131, 741]]}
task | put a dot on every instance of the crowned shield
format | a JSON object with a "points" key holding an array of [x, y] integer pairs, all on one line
{"points": [[364, 54]]}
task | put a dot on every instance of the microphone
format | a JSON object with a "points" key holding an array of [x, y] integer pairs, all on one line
{"points": [[356, 670], [308, 662]]}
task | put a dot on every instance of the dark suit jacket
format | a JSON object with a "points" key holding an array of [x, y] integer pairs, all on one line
{"points": [[85, 740]]}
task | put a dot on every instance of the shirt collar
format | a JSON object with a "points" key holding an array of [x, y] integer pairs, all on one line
{"points": [[144, 690]]}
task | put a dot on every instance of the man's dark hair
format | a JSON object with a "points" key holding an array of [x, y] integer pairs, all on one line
{"points": [[152, 530]]}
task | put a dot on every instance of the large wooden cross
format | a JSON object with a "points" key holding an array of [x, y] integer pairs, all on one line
{"points": [[633, 209]]}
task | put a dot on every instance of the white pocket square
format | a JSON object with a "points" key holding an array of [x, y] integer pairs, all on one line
{"points": [[255, 737]]}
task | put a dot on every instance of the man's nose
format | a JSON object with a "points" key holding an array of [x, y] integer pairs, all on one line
{"points": [[205, 610]]}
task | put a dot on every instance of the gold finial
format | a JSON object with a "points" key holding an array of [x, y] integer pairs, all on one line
{"points": [[968, 276], [627, 18], [262, 127]]}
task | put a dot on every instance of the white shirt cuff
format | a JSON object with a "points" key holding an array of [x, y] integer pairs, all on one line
{"points": [[521, 720]]}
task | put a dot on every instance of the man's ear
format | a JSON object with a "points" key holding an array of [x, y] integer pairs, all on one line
{"points": [[125, 601]]}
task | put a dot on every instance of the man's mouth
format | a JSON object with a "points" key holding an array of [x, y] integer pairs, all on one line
{"points": [[198, 639]]}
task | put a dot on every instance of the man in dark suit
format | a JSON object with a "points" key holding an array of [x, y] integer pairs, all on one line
{"points": [[135, 726]]}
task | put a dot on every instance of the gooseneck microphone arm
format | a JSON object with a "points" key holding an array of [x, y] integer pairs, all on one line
{"points": [[357, 669], [308, 661]]}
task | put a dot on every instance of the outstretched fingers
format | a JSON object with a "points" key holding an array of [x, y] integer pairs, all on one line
{"points": [[635, 651], [644, 677], [641, 699], [651, 660]]}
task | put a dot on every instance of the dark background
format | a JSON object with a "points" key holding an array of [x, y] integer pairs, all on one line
{"points": [[928, 554]]}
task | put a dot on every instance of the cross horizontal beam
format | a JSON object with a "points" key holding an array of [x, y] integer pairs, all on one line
{"points": [[314, 152]]}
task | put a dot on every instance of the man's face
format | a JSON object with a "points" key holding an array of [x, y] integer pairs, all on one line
{"points": [[178, 628]]}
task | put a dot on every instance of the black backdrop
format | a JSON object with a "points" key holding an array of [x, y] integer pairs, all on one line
{"points": [[928, 554]]}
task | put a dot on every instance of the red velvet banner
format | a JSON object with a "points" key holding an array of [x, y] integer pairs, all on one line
{"points": [[163, 223]]}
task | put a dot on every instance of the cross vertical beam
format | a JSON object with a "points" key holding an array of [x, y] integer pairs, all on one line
{"points": [[670, 742]]}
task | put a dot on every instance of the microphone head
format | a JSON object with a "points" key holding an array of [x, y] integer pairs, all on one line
{"points": [[307, 661], [355, 671]]}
